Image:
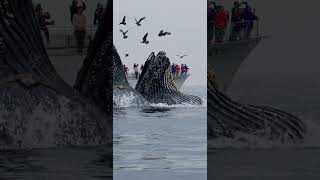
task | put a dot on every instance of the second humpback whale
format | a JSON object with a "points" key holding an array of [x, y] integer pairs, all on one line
{"points": [[37, 108], [122, 91]]}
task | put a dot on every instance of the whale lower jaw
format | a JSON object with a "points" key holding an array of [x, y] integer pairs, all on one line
{"points": [[227, 118]]}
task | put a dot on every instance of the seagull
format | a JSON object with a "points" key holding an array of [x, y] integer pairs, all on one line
{"points": [[124, 34], [182, 56], [144, 39], [123, 21], [162, 33], [139, 22]]}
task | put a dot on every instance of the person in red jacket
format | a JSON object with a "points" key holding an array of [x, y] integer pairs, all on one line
{"points": [[221, 24], [178, 69]]}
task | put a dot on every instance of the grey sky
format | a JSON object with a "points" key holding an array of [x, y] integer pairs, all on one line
{"points": [[185, 19]]}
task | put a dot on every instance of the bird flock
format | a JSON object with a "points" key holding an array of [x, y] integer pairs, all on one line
{"points": [[145, 40], [139, 23]]}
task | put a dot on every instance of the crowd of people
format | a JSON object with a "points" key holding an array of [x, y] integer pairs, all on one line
{"points": [[77, 17], [178, 70], [136, 69], [242, 21]]}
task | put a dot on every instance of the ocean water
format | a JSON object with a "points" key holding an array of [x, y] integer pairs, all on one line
{"points": [[161, 142], [251, 158]]}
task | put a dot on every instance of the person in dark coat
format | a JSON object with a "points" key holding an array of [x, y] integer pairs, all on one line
{"points": [[44, 19], [98, 14], [249, 17]]}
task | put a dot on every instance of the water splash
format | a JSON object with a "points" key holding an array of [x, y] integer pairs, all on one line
{"points": [[45, 127]]}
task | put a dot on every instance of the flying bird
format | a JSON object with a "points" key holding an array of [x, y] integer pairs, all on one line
{"points": [[124, 33], [162, 33], [182, 56], [144, 39], [127, 55], [123, 21], [140, 20]]}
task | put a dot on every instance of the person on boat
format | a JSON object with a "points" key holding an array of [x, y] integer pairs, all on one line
{"points": [[98, 14], [249, 17], [178, 69], [211, 16], [182, 69], [186, 69], [44, 19], [125, 69], [136, 70], [236, 22], [221, 23], [79, 22], [74, 5], [173, 69]]}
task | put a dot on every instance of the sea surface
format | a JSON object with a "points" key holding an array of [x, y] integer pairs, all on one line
{"points": [[157, 142], [161, 142], [251, 158]]}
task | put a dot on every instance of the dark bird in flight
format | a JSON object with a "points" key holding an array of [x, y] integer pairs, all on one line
{"points": [[182, 56], [139, 22], [162, 33], [123, 21], [144, 39], [127, 55], [124, 33]]}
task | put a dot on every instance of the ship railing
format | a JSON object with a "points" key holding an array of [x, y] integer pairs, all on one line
{"points": [[239, 31], [62, 37]]}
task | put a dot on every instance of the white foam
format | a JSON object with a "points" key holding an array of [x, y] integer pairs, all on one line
{"points": [[126, 100], [188, 105]]}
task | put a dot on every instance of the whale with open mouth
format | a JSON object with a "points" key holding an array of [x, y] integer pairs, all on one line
{"points": [[228, 118], [156, 83], [37, 108]]}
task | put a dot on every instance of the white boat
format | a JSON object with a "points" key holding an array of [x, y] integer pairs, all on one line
{"points": [[225, 58]]}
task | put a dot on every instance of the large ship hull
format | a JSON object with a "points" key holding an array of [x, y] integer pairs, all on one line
{"points": [[226, 58]]}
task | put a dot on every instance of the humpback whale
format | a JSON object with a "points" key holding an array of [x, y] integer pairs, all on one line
{"points": [[94, 80], [37, 107], [156, 83], [227, 118], [121, 86]]}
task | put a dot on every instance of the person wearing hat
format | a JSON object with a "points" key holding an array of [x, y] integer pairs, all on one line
{"points": [[79, 22]]}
